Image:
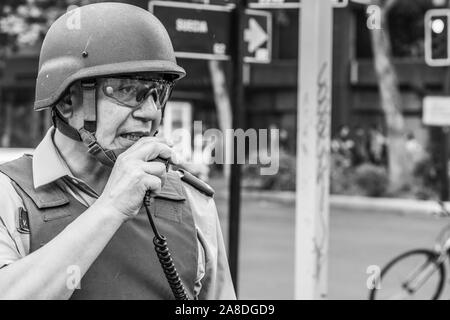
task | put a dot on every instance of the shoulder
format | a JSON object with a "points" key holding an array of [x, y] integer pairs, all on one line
{"points": [[181, 184], [7, 192], [14, 228], [200, 197], [10, 202]]}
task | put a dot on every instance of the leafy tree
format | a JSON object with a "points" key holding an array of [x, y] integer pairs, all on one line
{"points": [[25, 22], [400, 33]]}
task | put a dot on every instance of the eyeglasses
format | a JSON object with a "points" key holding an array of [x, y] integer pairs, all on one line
{"points": [[132, 93]]}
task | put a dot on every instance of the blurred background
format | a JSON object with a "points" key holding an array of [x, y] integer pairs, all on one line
{"points": [[380, 147]]}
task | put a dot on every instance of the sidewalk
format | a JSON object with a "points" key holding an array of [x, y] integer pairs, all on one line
{"points": [[363, 232], [351, 203]]}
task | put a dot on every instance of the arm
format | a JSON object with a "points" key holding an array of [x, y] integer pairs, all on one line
{"points": [[46, 273]]}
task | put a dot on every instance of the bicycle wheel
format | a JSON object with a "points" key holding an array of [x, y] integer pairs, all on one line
{"points": [[413, 275]]}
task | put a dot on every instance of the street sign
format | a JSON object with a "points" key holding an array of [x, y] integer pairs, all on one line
{"points": [[258, 36], [197, 31], [436, 111], [200, 31]]}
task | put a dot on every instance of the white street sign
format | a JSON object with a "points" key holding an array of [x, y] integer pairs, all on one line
{"points": [[255, 35], [436, 111], [258, 36]]}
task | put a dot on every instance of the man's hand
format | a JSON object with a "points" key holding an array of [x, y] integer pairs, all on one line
{"points": [[134, 174]]}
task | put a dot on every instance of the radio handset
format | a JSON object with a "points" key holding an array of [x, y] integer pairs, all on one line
{"points": [[162, 250]]}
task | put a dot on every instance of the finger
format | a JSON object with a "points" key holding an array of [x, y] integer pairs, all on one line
{"points": [[154, 168], [145, 140], [140, 142], [152, 183], [149, 150]]}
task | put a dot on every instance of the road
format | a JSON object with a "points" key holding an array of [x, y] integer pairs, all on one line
{"points": [[357, 240]]}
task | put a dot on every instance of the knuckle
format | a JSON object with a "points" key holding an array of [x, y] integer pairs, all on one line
{"points": [[156, 182], [122, 158], [153, 183], [161, 168]]}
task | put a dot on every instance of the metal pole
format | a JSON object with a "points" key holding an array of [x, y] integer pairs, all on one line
{"points": [[445, 147], [444, 159], [239, 115]]}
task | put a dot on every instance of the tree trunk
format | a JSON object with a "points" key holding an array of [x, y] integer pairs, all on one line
{"points": [[7, 131], [223, 105], [398, 165]]}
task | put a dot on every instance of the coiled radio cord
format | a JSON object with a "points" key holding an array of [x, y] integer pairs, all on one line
{"points": [[164, 256]]}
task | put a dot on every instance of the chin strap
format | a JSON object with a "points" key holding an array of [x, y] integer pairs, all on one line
{"points": [[87, 133]]}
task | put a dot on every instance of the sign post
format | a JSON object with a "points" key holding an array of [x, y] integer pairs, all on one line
{"points": [[238, 118], [313, 145]]}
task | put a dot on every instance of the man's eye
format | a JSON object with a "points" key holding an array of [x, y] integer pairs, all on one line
{"points": [[127, 90]]}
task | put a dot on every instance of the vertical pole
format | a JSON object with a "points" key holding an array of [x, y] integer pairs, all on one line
{"points": [[223, 105], [2, 114], [239, 115], [445, 146], [444, 160], [7, 131], [313, 145]]}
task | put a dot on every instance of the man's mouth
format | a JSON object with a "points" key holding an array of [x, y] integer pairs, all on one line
{"points": [[135, 136]]}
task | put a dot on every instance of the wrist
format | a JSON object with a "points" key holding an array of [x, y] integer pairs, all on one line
{"points": [[109, 212]]}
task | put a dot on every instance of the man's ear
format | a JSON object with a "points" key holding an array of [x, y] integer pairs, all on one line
{"points": [[71, 101], [65, 106]]}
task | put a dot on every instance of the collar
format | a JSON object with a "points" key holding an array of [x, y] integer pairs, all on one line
{"points": [[48, 165]]}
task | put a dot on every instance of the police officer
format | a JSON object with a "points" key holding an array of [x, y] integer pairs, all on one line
{"points": [[74, 209]]}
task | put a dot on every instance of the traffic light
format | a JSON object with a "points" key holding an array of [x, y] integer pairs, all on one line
{"points": [[437, 32]]}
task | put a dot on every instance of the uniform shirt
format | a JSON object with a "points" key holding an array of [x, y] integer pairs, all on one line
{"points": [[213, 276]]}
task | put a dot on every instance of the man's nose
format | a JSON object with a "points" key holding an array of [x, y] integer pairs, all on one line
{"points": [[147, 111]]}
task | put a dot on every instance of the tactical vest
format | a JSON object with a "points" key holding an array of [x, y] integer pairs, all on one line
{"points": [[128, 267]]}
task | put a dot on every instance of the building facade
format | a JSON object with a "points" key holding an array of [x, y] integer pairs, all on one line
{"points": [[270, 89]]}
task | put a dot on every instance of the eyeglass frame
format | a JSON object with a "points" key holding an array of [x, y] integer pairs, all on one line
{"points": [[170, 83]]}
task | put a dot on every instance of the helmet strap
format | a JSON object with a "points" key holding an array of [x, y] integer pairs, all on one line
{"points": [[106, 157], [87, 133], [89, 105], [63, 126]]}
